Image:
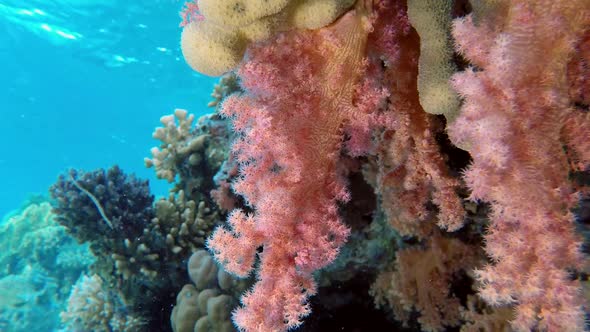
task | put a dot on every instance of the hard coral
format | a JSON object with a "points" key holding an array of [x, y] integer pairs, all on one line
{"points": [[189, 154], [206, 304], [142, 247], [126, 201], [92, 307], [216, 43]]}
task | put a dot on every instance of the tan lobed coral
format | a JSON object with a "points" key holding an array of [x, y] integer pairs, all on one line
{"points": [[217, 43], [206, 305], [432, 20]]}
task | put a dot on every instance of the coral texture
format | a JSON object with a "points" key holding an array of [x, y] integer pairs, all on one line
{"points": [[189, 154], [433, 265], [38, 264], [125, 201], [86, 200]]}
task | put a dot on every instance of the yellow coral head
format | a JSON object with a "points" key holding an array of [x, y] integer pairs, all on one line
{"points": [[209, 49], [238, 13]]}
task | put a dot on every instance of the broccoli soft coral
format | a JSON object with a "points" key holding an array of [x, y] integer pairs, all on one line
{"points": [[516, 120], [291, 123]]}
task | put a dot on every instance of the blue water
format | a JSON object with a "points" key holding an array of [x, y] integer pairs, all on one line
{"points": [[84, 83]]}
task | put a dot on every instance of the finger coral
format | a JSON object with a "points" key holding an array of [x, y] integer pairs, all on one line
{"points": [[432, 20]]}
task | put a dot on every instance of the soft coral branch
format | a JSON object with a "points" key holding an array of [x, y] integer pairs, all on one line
{"points": [[290, 125], [516, 107]]}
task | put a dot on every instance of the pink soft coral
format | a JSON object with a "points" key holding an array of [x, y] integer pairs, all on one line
{"points": [[513, 120], [290, 125]]}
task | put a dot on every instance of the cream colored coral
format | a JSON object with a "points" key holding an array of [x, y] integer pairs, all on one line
{"points": [[185, 223], [239, 13], [178, 144], [314, 14], [92, 306], [227, 85], [206, 306], [217, 44], [432, 21], [209, 49]]}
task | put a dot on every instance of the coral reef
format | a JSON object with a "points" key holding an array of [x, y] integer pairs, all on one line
{"points": [[131, 258], [516, 122], [434, 265], [287, 148], [228, 84], [38, 264], [321, 104], [125, 202], [185, 225], [422, 165], [141, 245]]}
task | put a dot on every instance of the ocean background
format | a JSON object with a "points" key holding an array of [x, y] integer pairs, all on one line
{"points": [[84, 83]]}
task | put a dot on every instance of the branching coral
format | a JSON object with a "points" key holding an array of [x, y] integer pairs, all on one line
{"points": [[126, 202], [189, 154], [409, 170], [133, 254], [178, 143], [291, 136], [228, 84], [185, 223]]}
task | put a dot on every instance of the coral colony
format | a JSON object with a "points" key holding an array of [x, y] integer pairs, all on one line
{"points": [[426, 162]]}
